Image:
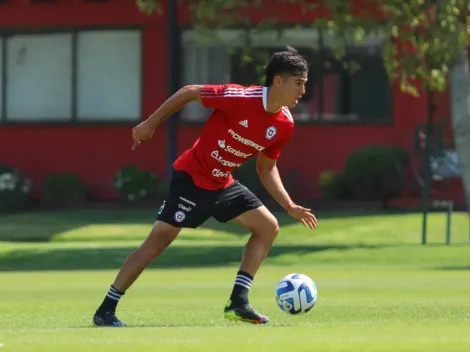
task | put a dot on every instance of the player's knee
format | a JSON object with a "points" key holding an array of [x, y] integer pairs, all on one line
{"points": [[268, 229], [156, 243], [151, 250], [274, 227]]}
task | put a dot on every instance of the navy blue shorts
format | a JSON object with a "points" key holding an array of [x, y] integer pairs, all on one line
{"points": [[187, 205]]}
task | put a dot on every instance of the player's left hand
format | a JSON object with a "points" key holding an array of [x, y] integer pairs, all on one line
{"points": [[142, 132], [303, 214]]}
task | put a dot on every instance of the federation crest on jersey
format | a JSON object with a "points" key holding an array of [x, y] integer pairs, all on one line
{"points": [[179, 216], [270, 132]]}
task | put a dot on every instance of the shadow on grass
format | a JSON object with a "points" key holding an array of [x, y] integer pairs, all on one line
{"points": [[43, 226], [453, 267], [101, 258]]}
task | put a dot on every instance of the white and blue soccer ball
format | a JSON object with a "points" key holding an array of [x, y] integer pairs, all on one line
{"points": [[296, 294]]}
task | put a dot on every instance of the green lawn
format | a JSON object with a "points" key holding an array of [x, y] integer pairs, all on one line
{"points": [[379, 289]]}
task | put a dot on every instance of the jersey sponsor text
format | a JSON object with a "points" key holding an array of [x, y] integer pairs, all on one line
{"points": [[216, 156], [245, 141]]}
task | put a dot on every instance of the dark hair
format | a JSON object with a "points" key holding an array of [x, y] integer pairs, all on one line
{"points": [[286, 62]]}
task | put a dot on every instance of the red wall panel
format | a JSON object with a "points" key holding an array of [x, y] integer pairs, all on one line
{"points": [[72, 13], [96, 152]]}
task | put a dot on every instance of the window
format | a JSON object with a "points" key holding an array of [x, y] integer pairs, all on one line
{"points": [[65, 76], [332, 92], [108, 75], [38, 77], [362, 95], [204, 65]]}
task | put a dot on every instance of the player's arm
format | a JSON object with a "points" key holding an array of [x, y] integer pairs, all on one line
{"points": [[175, 103], [271, 180], [210, 96], [144, 130]]}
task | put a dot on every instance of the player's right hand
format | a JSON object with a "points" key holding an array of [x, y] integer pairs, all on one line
{"points": [[302, 214], [142, 132]]}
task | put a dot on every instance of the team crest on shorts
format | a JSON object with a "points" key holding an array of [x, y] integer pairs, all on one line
{"points": [[179, 216], [270, 132]]}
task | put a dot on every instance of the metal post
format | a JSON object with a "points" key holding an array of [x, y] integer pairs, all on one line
{"points": [[429, 138], [427, 181], [173, 79], [450, 208]]}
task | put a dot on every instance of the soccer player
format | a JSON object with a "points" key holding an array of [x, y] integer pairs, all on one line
{"points": [[245, 122]]}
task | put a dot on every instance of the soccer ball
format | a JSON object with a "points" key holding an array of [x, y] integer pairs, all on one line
{"points": [[296, 294]]}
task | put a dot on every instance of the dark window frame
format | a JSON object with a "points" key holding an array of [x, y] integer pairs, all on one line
{"points": [[72, 120], [324, 52]]}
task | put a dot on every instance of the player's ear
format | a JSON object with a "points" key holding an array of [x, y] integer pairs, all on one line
{"points": [[277, 81]]}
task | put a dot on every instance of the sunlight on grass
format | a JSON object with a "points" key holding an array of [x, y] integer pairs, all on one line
{"points": [[132, 232], [371, 309], [101, 226], [379, 288], [382, 229]]}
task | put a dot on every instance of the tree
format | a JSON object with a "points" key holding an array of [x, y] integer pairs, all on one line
{"points": [[427, 47]]}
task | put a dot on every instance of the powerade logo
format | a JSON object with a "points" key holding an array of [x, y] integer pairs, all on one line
{"points": [[245, 141]]}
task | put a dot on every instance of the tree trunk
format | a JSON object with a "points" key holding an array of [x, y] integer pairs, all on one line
{"points": [[460, 97]]}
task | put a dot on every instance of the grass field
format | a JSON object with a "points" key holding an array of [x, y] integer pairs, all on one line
{"points": [[379, 289]]}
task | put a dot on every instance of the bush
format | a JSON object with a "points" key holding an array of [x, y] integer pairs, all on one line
{"points": [[61, 189], [133, 184], [14, 189], [331, 184], [371, 171]]}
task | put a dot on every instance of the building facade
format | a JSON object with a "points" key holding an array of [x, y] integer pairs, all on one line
{"points": [[78, 74]]}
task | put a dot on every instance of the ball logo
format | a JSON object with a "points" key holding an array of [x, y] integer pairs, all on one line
{"points": [[270, 132], [179, 216]]}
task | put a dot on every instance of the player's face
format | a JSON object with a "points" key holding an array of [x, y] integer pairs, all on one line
{"points": [[293, 88]]}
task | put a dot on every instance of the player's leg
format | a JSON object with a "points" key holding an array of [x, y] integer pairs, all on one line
{"points": [[160, 237], [264, 229], [240, 205], [184, 207]]}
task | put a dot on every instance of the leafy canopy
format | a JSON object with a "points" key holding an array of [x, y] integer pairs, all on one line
{"points": [[423, 37]]}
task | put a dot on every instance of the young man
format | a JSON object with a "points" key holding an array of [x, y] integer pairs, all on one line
{"points": [[245, 122]]}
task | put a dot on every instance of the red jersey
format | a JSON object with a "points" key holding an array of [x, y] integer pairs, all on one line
{"points": [[237, 129]]}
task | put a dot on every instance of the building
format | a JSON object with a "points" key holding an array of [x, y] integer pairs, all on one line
{"points": [[78, 74]]}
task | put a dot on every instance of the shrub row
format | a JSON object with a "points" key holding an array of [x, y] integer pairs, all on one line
{"points": [[368, 174], [59, 189]]}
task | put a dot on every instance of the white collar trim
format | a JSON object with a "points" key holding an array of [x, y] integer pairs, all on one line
{"points": [[265, 98]]}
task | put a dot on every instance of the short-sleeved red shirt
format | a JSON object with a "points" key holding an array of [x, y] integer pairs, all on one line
{"points": [[237, 129]]}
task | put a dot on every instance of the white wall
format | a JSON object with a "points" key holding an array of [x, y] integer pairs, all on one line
{"points": [[40, 68], [39, 77], [109, 79]]}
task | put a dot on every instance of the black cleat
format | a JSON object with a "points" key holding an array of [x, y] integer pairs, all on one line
{"points": [[245, 313], [107, 319]]}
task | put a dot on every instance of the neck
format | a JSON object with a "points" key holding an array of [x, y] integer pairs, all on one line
{"points": [[273, 101]]}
